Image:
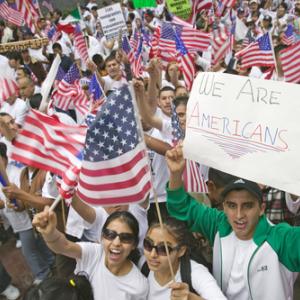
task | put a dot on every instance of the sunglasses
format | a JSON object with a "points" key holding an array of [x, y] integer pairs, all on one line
{"points": [[126, 238], [160, 249]]}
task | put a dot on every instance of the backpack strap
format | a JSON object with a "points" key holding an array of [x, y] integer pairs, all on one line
{"points": [[186, 272], [145, 269]]}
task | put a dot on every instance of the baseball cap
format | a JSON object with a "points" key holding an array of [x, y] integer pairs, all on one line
{"points": [[253, 1], [241, 10], [243, 184]]}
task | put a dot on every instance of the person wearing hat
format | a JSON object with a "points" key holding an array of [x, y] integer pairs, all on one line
{"points": [[252, 258], [266, 24]]}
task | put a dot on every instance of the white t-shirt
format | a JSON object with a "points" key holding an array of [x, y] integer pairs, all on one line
{"points": [[107, 286], [17, 110], [237, 288], [19, 221], [202, 281], [111, 84], [159, 169]]}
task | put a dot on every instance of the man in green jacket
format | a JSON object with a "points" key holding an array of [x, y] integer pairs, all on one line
{"points": [[252, 258]]}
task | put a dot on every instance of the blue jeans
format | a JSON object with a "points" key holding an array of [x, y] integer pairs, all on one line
{"points": [[36, 253], [5, 279]]}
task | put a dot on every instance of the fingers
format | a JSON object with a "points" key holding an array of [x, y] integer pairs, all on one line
{"points": [[180, 291]]}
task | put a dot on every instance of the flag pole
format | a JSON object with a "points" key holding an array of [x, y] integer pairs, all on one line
{"points": [[139, 125], [273, 53]]}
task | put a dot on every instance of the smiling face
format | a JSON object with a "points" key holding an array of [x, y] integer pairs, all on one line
{"points": [[243, 211], [159, 263], [116, 250]]}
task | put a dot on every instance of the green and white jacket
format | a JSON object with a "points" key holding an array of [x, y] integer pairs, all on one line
{"points": [[275, 256]]}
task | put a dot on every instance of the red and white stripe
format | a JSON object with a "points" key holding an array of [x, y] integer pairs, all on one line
{"points": [[124, 179], [197, 7], [80, 46], [221, 44], [290, 61], [187, 66], [29, 11], [194, 177], [10, 14], [46, 143], [229, 3], [8, 88]]}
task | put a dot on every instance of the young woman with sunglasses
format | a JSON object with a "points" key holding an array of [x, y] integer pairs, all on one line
{"points": [[193, 280], [108, 265]]}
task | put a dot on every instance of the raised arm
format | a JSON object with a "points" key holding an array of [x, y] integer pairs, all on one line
{"points": [[85, 211], [45, 222]]}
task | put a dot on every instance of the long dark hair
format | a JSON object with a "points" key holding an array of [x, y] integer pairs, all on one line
{"points": [[76, 287], [178, 229], [130, 220]]}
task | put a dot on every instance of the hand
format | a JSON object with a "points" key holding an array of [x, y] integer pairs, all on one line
{"points": [[139, 88], [45, 222], [154, 68], [91, 66], [11, 191], [180, 291], [175, 160]]}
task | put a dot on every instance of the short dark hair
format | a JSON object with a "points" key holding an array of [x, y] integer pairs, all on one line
{"points": [[14, 55], [57, 46], [165, 89], [181, 100], [219, 178], [110, 57]]}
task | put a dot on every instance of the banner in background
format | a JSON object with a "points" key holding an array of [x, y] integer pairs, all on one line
{"points": [[144, 3], [112, 20], [180, 8]]}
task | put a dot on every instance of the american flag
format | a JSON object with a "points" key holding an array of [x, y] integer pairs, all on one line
{"points": [[229, 3], [46, 143], [248, 39], [96, 92], [194, 40], [69, 94], [29, 11], [59, 76], [10, 14], [288, 37], [290, 61], [53, 34], [80, 44], [197, 7], [194, 174], [154, 50], [127, 48], [137, 68], [186, 62], [115, 167], [259, 53], [221, 44]]}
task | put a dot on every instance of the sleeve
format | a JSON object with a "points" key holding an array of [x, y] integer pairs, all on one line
{"points": [[90, 256], [285, 240], [205, 284], [199, 217], [293, 206]]}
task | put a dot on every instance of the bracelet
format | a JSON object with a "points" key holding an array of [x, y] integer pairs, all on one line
{"points": [[53, 241]]}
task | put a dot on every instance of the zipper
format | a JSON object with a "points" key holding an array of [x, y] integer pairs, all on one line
{"points": [[248, 271]]}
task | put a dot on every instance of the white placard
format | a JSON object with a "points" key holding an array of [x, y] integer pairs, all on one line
{"points": [[246, 127], [112, 20]]}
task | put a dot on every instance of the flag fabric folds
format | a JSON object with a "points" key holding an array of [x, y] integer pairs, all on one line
{"points": [[115, 166], [259, 53], [10, 14], [46, 143], [290, 62], [288, 37], [30, 12], [80, 44]]}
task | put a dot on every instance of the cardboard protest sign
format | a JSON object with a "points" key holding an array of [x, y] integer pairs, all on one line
{"points": [[112, 20], [247, 127], [180, 8], [144, 3]]}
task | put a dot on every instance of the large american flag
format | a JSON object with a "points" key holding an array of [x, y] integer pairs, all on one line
{"points": [[259, 53], [194, 174], [186, 62], [46, 143], [80, 44], [30, 12], [290, 62], [69, 93], [288, 37], [115, 167], [10, 14]]}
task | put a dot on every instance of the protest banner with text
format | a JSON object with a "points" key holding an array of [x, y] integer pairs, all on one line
{"points": [[112, 20], [246, 127], [180, 8]]}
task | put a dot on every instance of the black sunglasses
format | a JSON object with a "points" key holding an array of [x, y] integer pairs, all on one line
{"points": [[126, 238], [160, 249]]}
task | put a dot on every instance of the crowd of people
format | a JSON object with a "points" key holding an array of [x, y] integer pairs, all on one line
{"points": [[239, 240]]}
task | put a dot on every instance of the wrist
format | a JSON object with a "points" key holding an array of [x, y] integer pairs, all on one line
{"points": [[52, 238]]}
